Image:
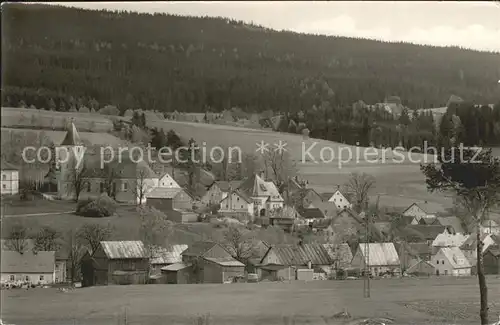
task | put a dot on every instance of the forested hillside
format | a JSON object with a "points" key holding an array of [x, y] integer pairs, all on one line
{"points": [[60, 57]]}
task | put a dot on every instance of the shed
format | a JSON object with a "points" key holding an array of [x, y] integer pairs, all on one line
{"points": [[491, 260], [177, 273], [379, 258]]}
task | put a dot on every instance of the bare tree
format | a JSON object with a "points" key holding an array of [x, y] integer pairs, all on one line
{"points": [[155, 227], [249, 165], [143, 185], [91, 234], [18, 237], [475, 178], [76, 250], [239, 244], [229, 168], [281, 166], [359, 185], [47, 239], [78, 178]]}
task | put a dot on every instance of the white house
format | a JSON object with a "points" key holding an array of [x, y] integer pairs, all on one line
{"points": [[449, 240], [340, 200], [10, 179], [167, 181], [219, 191], [265, 195], [451, 261], [237, 202], [35, 268]]}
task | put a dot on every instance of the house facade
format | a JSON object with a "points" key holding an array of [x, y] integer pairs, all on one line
{"points": [[491, 260], [219, 191], [116, 262], [168, 199], [10, 179], [414, 210], [265, 195], [451, 261], [377, 258], [238, 202], [29, 267], [167, 181], [340, 201], [421, 268]]}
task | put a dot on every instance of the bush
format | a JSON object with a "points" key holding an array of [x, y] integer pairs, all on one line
{"points": [[103, 206]]}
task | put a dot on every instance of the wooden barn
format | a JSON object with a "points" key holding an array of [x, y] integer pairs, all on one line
{"points": [[116, 262]]}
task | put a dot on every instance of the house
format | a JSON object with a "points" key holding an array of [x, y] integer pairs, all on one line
{"points": [[162, 257], [116, 262], [421, 268], [419, 233], [449, 240], [424, 220], [167, 199], [209, 262], [31, 267], [310, 215], [490, 227], [282, 261], [10, 178], [177, 273], [167, 181], [28, 245], [453, 223], [219, 191], [469, 247], [329, 209], [309, 195], [491, 260], [414, 210], [379, 258], [264, 194], [451, 261], [130, 179], [284, 217], [238, 202], [340, 200], [323, 226]]}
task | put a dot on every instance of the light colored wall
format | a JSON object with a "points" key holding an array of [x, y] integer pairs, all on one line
{"points": [[10, 182], [446, 268], [340, 200], [34, 278], [60, 273], [236, 204], [415, 211], [167, 181]]}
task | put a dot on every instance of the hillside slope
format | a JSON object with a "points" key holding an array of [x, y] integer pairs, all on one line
{"points": [[172, 63]]}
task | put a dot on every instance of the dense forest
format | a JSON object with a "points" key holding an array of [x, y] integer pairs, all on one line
{"points": [[63, 59]]}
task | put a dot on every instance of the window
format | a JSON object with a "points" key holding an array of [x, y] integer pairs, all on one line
{"points": [[437, 262], [340, 200], [242, 206], [445, 272], [26, 278], [124, 186], [226, 206], [170, 183], [4, 186], [12, 278], [4, 177], [41, 277], [237, 199], [89, 187], [101, 187]]}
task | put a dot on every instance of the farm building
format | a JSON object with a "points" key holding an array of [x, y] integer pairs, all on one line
{"points": [[284, 218], [379, 258], [167, 199], [116, 262], [421, 268], [422, 233], [451, 261], [453, 223], [491, 260], [311, 215], [329, 209], [219, 191], [469, 247], [207, 262], [424, 220], [167, 181], [10, 178], [28, 245], [281, 261], [162, 257], [177, 273], [30, 267]]}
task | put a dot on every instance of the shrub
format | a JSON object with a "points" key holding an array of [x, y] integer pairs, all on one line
{"points": [[103, 206]]}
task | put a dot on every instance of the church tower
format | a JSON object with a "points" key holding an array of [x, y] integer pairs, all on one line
{"points": [[73, 145]]}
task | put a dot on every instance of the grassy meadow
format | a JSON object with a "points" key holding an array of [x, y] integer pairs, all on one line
{"points": [[443, 300]]}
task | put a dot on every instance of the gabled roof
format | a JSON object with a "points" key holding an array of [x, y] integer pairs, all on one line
{"points": [[312, 213], [163, 193], [224, 261], [327, 196], [381, 254], [175, 267], [169, 255], [28, 262], [124, 249], [447, 240], [322, 223], [453, 222], [72, 137], [241, 194], [416, 267], [494, 250], [329, 209], [412, 205], [454, 256], [29, 245], [423, 232], [301, 254], [254, 186], [199, 248], [8, 166]]}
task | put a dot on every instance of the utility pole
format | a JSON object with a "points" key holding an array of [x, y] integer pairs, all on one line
{"points": [[366, 286]]}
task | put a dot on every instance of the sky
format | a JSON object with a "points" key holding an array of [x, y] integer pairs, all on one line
{"points": [[473, 25]]}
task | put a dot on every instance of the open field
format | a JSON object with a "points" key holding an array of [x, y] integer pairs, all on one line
{"points": [[407, 301], [95, 138], [17, 207], [85, 121]]}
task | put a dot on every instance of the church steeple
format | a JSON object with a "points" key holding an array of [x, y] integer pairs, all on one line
{"points": [[72, 137]]}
